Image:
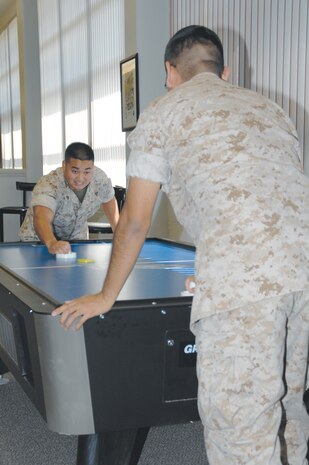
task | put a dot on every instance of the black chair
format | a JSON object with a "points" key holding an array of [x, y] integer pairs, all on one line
{"points": [[21, 211], [104, 228], [120, 195]]}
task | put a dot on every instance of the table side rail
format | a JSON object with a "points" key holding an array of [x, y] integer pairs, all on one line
{"points": [[37, 300]]}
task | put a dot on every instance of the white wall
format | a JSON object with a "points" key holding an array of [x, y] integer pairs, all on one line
{"points": [[9, 196], [31, 111], [147, 32], [29, 57], [152, 35]]}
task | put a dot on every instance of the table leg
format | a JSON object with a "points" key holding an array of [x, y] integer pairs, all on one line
{"points": [[112, 448], [22, 217], [3, 368], [88, 449], [1, 227]]}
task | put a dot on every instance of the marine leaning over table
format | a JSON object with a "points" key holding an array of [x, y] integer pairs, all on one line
{"points": [[229, 161], [64, 199]]}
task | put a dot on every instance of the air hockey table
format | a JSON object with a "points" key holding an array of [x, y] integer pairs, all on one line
{"points": [[123, 372]]}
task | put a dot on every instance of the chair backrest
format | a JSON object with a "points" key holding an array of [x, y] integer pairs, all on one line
{"points": [[25, 187], [120, 195]]}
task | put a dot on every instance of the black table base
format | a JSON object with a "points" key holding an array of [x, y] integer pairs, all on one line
{"points": [[111, 448]]}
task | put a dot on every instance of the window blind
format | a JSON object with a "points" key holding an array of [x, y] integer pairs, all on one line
{"points": [[10, 116], [81, 45], [266, 45]]}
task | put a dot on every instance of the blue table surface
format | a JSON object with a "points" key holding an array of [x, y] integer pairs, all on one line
{"points": [[160, 271]]}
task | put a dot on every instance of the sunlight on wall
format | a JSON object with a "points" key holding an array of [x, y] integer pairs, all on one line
{"points": [[105, 111], [7, 160], [52, 141], [107, 138], [17, 144], [81, 45], [76, 127]]}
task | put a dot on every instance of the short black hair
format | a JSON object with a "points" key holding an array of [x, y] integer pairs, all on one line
{"points": [[80, 151], [189, 36]]}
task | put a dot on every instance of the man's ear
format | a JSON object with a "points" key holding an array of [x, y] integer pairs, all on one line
{"points": [[226, 73], [168, 80], [173, 78]]}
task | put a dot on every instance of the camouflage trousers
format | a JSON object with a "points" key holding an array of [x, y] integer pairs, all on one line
{"points": [[251, 366]]}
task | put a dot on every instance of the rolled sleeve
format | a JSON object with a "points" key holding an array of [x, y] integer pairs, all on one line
{"points": [[46, 191], [150, 167], [44, 200], [148, 158]]}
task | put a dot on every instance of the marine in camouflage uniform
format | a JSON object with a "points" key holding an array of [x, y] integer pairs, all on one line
{"points": [[70, 215], [229, 161]]}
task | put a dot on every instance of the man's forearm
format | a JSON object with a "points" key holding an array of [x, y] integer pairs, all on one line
{"points": [[43, 225], [112, 213], [44, 231], [127, 243], [130, 234]]}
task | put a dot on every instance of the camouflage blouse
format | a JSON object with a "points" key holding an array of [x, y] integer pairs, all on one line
{"points": [[70, 220], [229, 160]]}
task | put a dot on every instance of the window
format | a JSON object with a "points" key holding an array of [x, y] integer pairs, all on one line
{"points": [[10, 119], [81, 45]]}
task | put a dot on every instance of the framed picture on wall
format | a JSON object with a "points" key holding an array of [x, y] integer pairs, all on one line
{"points": [[129, 92]]}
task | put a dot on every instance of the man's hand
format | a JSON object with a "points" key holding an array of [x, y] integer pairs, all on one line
{"points": [[58, 247], [190, 284], [80, 310]]}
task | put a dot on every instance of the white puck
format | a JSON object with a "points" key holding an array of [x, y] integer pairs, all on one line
{"points": [[66, 256], [186, 293]]}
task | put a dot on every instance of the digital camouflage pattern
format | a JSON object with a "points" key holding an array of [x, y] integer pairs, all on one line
{"points": [[229, 161], [240, 370], [70, 220]]}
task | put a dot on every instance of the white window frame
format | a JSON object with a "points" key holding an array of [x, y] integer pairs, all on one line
{"points": [[10, 107]]}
